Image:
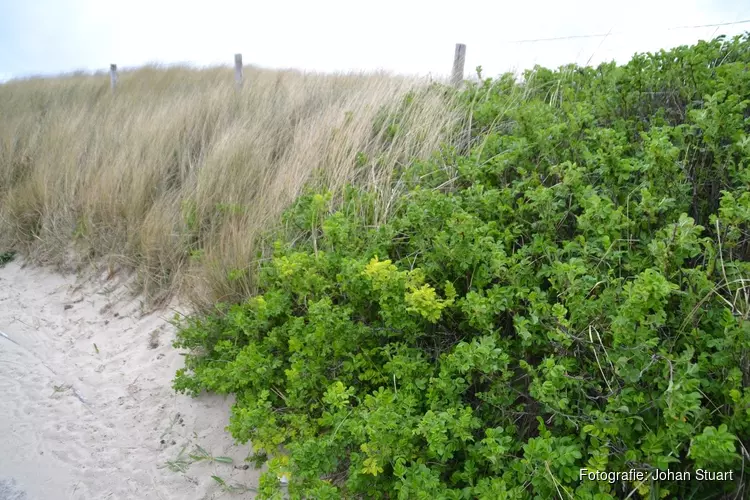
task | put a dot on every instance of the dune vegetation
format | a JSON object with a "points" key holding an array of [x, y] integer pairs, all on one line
{"points": [[177, 174], [563, 313], [532, 287]]}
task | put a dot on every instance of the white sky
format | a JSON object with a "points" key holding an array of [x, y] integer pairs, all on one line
{"points": [[52, 36]]}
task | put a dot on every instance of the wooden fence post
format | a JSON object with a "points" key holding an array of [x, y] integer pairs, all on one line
{"points": [[113, 76], [238, 70], [457, 77]]}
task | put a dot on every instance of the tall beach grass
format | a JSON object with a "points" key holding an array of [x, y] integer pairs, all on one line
{"points": [[177, 174]]}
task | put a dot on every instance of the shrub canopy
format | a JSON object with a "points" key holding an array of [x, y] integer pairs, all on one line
{"points": [[572, 292]]}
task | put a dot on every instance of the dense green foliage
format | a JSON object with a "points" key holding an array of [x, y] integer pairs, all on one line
{"points": [[6, 257], [571, 294]]}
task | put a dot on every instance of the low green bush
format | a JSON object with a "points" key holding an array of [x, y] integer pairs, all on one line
{"points": [[6, 257], [576, 297]]}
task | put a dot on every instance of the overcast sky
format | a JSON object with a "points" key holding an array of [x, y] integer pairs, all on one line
{"points": [[402, 36]]}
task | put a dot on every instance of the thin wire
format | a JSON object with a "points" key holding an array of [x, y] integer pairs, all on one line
{"points": [[571, 37], [605, 35], [710, 25]]}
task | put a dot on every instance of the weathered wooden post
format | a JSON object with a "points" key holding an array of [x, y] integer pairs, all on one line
{"points": [[457, 77], [238, 70], [113, 76]]}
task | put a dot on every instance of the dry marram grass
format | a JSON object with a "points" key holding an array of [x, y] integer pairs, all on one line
{"points": [[177, 174]]}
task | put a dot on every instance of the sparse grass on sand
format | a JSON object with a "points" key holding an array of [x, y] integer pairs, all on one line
{"points": [[177, 174]]}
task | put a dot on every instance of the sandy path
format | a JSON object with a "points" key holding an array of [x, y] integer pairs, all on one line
{"points": [[80, 424]]}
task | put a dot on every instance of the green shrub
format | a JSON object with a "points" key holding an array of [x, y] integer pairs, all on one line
{"points": [[6, 257], [576, 299]]}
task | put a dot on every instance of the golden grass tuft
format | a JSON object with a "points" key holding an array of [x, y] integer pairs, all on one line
{"points": [[177, 174]]}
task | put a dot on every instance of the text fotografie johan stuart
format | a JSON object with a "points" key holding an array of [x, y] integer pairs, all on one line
{"points": [[658, 475]]}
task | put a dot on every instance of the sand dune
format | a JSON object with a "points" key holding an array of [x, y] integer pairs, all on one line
{"points": [[86, 406]]}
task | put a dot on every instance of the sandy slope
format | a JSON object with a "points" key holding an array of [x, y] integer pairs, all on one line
{"points": [[80, 424]]}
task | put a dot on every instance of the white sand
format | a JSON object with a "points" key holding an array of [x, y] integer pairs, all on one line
{"points": [[80, 424]]}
